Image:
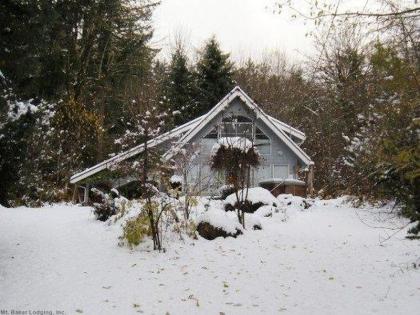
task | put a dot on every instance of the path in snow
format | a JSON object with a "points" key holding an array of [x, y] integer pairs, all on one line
{"points": [[321, 261]]}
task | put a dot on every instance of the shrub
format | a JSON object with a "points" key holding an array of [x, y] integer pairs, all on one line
{"points": [[226, 190], [103, 205], [103, 211], [252, 199], [136, 229]]}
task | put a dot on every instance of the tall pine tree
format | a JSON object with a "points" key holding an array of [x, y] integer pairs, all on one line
{"points": [[214, 77], [180, 88]]}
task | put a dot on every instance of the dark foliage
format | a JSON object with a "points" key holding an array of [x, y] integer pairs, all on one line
{"points": [[226, 190], [209, 232], [103, 205], [214, 77], [14, 148], [234, 161], [246, 206]]}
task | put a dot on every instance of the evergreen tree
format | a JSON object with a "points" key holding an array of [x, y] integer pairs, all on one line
{"points": [[84, 58], [51, 48], [179, 94], [14, 144], [214, 77]]}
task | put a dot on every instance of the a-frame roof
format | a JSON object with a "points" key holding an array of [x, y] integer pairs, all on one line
{"points": [[190, 129], [222, 105]]}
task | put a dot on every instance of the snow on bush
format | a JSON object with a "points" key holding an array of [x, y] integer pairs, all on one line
{"points": [[254, 195], [176, 179], [264, 211], [294, 202], [253, 221], [240, 143], [19, 108], [218, 218], [103, 204]]}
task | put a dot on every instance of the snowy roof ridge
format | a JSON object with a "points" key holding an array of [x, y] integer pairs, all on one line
{"points": [[238, 92]]}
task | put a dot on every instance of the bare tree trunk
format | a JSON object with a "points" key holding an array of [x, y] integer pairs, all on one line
{"points": [[153, 224]]}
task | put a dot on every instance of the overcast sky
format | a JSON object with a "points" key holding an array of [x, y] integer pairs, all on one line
{"points": [[243, 27]]}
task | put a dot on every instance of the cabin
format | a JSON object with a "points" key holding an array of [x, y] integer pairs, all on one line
{"points": [[284, 167]]}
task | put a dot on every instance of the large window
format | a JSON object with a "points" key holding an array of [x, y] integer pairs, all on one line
{"points": [[240, 126], [236, 126]]}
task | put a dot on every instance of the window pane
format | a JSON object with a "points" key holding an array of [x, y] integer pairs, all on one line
{"points": [[240, 129], [281, 171]]}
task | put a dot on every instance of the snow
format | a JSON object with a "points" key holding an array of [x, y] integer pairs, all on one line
{"points": [[328, 259], [264, 211], [176, 179], [252, 220], [255, 195], [285, 181], [293, 203], [115, 191], [240, 143], [226, 221], [19, 108]]}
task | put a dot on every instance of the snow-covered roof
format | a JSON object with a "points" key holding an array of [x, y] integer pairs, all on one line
{"points": [[135, 150], [223, 104], [188, 130]]}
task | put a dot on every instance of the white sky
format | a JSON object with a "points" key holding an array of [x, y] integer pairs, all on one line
{"points": [[245, 28]]}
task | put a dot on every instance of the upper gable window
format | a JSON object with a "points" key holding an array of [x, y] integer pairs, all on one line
{"points": [[235, 119], [240, 126], [236, 126]]}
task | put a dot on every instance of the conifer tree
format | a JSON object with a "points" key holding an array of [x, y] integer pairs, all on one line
{"points": [[180, 87], [82, 57], [214, 77]]}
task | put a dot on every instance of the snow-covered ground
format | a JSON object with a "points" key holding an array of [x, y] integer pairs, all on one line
{"points": [[328, 259]]}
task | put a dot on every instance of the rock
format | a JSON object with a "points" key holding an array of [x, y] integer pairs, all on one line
{"points": [[257, 226], [307, 204], [209, 232], [255, 198]]}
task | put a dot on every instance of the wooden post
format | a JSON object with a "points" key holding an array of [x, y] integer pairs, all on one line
{"points": [[86, 195], [75, 193], [310, 180]]}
